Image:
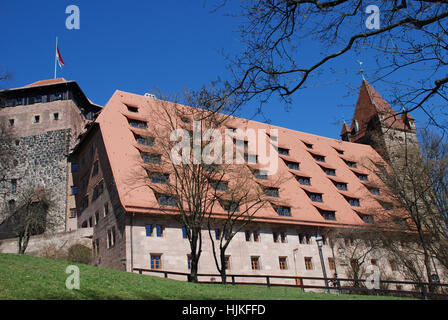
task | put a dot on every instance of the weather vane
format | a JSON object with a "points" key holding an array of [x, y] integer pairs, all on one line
{"points": [[361, 71]]}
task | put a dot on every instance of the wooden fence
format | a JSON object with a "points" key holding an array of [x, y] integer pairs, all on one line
{"points": [[423, 290]]}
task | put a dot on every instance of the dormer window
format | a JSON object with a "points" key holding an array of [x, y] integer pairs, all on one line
{"points": [[144, 140], [362, 177], [271, 192], [283, 151], [305, 181], [292, 165], [374, 191], [132, 109], [319, 158], [316, 197], [351, 164], [137, 124], [309, 145], [330, 172], [261, 174], [353, 202], [341, 186]]}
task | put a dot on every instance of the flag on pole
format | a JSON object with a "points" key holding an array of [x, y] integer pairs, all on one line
{"points": [[59, 58]]}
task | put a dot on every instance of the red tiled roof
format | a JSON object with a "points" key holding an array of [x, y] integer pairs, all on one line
{"points": [[125, 160], [46, 82]]}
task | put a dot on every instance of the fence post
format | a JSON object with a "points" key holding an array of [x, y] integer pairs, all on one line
{"points": [[166, 274], [268, 282], [301, 284], [233, 279], [140, 271]]}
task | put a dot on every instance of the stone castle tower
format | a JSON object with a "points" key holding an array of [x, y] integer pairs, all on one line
{"points": [[375, 123], [45, 119]]}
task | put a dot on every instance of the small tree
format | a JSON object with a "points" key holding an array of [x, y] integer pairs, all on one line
{"points": [[32, 215]]}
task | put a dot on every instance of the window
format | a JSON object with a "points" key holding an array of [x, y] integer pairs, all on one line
{"points": [[19, 101], [247, 234], [72, 213], [137, 124], [11, 122], [74, 190], [271, 192], [332, 264], [151, 158], [250, 158], [373, 262], [316, 197], [283, 151], [90, 222], [386, 205], [367, 218], [261, 174], [148, 230], [132, 109], [275, 236], [144, 140], [308, 263], [184, 233], [220, 185], [157, 177], [106, 209], [353, 202], [231, 206], [256, 236], [330, 172], [185, 120], [255, 263], [284, 211], [13, 186], [156, 261], [166, 200], [96, 247], [351, 164], [36, 119], [56, 116], [111, 237], [189, 262], [283, 237], [97, 217], [227, 262], [293, 165], [374, 191], [328, 215], [362, 177], [217, 234], [159, 231], [319, 158], [304, 181], [282, 263], [341, 186], [95, 168]]}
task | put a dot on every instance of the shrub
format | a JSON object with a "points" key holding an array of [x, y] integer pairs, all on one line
{"points": [[79, 253]]}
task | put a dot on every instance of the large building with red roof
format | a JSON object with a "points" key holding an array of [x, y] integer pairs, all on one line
{"points": [[326, 184]]}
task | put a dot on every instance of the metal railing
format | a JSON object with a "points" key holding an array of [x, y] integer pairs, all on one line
{"points": [[423, 290]]}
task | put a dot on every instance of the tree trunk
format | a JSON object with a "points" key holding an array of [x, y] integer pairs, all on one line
{"points": [[223, 270]]}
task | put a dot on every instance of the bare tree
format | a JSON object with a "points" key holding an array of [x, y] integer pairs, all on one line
{"points": [[412, 222], [410, 36], [241, 198], [31, 215]]}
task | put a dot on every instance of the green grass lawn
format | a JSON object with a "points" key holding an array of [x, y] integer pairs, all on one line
{"points": [[26, 277]]}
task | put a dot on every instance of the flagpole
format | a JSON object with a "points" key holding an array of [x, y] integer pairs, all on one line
{"points": [[55, 58]]}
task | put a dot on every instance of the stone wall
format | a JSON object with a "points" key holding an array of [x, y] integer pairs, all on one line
{"points": [[60, 241], [41, 161]]}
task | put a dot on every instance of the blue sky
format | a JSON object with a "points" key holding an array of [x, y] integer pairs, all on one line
{"points": [[171, 45]]}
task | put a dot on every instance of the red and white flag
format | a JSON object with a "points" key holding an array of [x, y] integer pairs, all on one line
{"points": [[59, 58]]}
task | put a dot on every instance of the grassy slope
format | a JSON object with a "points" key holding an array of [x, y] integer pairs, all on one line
{"points": [[25, 277]]}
